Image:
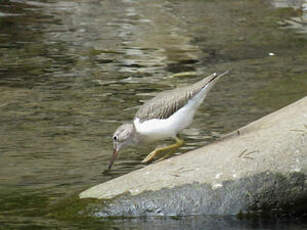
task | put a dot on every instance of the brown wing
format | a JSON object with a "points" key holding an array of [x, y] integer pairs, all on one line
{"points": [[167, 103], [163, 105]]}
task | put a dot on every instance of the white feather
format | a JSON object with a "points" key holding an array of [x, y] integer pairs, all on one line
{"points": [[157, 129]]}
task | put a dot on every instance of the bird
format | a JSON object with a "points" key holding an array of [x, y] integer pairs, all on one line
{"points": [[162, 117]]}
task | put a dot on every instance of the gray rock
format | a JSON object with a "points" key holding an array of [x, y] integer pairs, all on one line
{"points": [[259, 168]]}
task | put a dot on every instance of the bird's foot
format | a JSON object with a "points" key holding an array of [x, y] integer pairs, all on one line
{"points": [[153, 154], [166, 156], [150, 156]]}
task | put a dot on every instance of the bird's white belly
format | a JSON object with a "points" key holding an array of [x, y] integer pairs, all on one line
{"points": [[157, 129]]}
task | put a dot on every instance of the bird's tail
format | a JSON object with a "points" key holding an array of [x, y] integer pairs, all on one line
{"points": [[205, 86], [216, 76]]}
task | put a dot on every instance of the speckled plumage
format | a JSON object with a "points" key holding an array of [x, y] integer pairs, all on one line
{"points": [[167, 103], [164, 116]]}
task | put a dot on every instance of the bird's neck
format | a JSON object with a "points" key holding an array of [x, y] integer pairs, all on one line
{"points": [[136, 137]]}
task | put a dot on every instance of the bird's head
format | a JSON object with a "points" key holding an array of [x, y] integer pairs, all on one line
{"points": [[123, 136]]}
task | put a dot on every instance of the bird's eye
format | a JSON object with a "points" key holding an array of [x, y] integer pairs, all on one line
{"points": [[115, 138]]}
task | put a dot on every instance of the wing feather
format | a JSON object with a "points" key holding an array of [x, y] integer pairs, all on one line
{"points": [[167, 103]]}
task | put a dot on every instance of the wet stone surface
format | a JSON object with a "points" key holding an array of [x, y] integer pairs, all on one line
{"points": [[72, 71], [251, 195]]}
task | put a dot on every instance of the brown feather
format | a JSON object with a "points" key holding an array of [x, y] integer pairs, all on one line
{"points": [[167, 103]]}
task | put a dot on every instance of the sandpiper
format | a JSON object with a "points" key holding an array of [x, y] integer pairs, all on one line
{"points": [[164, 116]]}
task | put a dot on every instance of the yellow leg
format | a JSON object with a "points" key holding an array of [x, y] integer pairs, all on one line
{"points": [[150, 156]]}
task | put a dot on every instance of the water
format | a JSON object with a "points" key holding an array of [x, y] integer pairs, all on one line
{"points": [[72, 71]]}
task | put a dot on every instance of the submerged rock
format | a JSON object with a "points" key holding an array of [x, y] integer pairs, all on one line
{"points": [[261, 167]]}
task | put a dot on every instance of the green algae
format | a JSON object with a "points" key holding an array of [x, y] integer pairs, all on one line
{"points": [[72, 207]]}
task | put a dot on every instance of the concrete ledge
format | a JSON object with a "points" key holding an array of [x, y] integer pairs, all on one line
{"points": [[260, 167]]}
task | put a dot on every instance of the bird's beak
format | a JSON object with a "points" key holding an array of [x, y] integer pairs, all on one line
{"points": [[114, 156]]}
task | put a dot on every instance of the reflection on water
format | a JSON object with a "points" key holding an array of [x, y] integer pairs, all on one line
{"points": [[72, 71], [298, 22]]}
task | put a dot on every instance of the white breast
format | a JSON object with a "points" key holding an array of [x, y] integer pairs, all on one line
{"points": [[157, 129]]}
